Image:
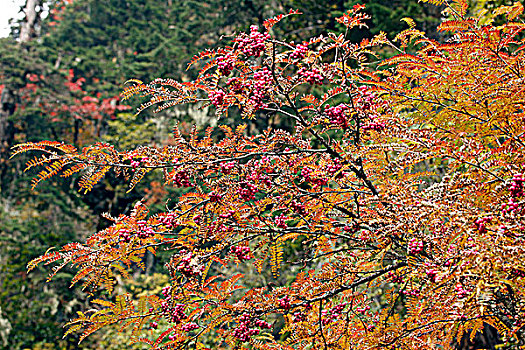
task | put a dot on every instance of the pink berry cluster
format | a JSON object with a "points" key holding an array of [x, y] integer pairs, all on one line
{"points": [[415, 246], [245, 329], [319, 181], [258, 172], [228, 214], [236, 84], [364, 235], [332, 314], [166, 291], [338, 115], [226, 167], [516, 187], [297, 207], [175, 313], [197, 219], [510, 206], [188, 327], [284, 303], [374, 125], [333, 168], [299, 316], [480, 224], [432, 275], [352, 227], [134, 164], [218, 227], [261, 80], [411, 292], [124, 234], [366, 100], [247, 191], [516, 190], [395, 278], [168, 219], [216, 97], [449, 262], [225, 64], [460, 291], [370, 105], [299, 52], [241, 252], [182, 179], [214, 197], [264, 76], [254, 43], [144, 231], [189, 267], [280, 221], [306, 173], [312, 76], [264, 179], [363, 309]]}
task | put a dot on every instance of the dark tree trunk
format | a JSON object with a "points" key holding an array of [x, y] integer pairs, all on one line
{"points": [[9, 98], [7, 108]]}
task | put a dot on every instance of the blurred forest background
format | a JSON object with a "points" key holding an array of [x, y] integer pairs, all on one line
{"points": [[61, 71]]}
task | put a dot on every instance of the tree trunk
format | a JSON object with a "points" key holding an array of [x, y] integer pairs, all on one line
{"points": [[27, 29], [7, 108], [8, 97]]}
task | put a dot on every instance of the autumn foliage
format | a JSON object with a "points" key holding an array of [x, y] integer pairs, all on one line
{"points": [[403, 176]]}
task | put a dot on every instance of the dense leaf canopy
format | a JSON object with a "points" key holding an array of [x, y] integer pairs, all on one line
{"points": [[345, 200]]}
